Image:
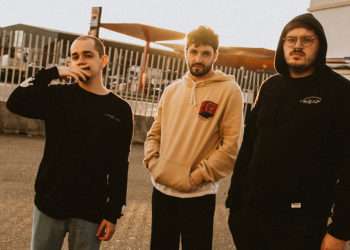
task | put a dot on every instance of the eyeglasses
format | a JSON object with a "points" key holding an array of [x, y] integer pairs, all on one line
{"points": [[305, 41]]}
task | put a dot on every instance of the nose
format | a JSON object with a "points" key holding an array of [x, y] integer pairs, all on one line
{"points": [[80, 61], [198, 58], [299, 43]]}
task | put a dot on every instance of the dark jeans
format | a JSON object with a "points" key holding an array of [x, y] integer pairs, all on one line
{"points": [[295, 230], [188, 218]]}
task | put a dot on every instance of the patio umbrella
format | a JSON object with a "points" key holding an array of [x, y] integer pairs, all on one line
{"points": [[249, 58], [148, 34]]}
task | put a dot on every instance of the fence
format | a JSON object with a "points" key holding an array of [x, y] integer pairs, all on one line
{"points": [[22, 54]]}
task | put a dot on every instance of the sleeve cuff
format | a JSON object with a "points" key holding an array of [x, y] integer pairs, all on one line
{"points": [[45, 76], [339, 232], [196, 177], [113, 216]]}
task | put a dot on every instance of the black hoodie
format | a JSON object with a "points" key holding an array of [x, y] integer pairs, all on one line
{"points": [[296, 146]]}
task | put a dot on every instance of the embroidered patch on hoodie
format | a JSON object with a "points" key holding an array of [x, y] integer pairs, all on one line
{"points": [[208, 109], [311, 100]]}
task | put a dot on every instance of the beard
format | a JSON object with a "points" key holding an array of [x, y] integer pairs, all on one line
{"points": [[301, 68], [200, 71]]}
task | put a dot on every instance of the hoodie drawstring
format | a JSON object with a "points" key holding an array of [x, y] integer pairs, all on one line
{"points": [[193, 94], [217, 77]]}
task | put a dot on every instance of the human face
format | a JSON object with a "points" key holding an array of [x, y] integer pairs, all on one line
{"points": [[85, 57], [200, 59], [300, 49]]}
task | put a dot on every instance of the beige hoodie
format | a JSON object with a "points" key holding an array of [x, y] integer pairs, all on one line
{"points": [[183, 147]]}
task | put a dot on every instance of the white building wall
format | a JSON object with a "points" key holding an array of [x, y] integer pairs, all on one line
{"points": [[334, 15]]}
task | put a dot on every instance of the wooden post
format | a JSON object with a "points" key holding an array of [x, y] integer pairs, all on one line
{"points": [[95, 21]]}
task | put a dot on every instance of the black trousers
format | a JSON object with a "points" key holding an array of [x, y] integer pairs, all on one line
{"points": [[188, 219], [295, 230]]}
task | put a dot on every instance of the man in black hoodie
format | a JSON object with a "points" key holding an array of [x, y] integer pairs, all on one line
{"points": [[80, 187], [291, 185]]}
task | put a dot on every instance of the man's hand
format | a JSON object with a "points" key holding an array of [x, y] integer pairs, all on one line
{"points": [[331, 243], [193, 185], [105, 230], [79, 74], [195, 180]]}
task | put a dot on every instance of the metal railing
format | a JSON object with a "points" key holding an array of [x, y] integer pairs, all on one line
{"points": [[23, 54]]}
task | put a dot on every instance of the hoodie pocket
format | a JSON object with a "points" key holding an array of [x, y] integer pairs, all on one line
{"points": [[172, 174]]}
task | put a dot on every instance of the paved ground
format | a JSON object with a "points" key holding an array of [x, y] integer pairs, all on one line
{"points": [[19, 158]]}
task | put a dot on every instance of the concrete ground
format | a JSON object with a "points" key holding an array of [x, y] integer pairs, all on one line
{"points": [[19, 158]]}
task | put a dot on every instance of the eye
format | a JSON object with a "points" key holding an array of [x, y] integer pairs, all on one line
{"points": [[206, 54], [307, 40], [88, 55], [193, 52], [291, 39]]}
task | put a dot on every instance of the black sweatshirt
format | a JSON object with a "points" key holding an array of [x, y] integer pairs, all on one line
{"points": [[84, 169], [296, 145]]}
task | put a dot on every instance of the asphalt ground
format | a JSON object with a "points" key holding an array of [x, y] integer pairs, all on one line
{"points": [[19, 159]]}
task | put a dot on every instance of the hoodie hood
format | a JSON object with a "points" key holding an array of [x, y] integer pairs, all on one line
{"points": [[216, 77], [306, 21]]}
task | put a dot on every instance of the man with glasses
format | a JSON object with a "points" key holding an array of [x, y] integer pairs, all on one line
{"points": [[291, 185]]}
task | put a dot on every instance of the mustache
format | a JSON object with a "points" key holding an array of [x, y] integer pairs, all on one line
{"points": [[297, 51], [197, 64]]}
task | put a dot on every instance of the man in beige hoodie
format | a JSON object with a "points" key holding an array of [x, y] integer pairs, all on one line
{"points": [[192, 144]]}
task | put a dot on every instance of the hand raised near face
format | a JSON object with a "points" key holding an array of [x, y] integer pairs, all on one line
{"points": [[77, 74]]}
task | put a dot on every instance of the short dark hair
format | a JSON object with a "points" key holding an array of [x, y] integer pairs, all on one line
{"points": [[99, 46], [202, 35]]}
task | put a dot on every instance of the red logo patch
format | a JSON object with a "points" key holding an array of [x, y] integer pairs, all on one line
{"points": [[208, 109]]}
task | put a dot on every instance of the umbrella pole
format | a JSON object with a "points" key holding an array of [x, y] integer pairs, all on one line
{"points": [[143, 70]]}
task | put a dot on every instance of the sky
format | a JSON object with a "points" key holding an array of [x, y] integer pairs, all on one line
{"points": [[243, 23]]}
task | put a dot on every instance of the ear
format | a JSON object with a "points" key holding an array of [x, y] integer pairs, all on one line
{"points": [[105, 60], [185, 52]]}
